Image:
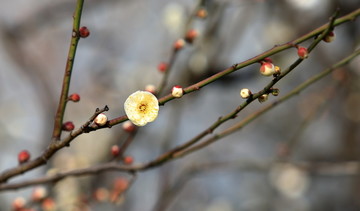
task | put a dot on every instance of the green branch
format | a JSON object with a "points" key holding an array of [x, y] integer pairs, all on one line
{"points": [[68, 70]]}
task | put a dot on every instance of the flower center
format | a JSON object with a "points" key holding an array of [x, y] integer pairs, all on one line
{"points": [[142, 107]]}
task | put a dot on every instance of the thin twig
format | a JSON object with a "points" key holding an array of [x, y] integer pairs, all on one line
{"points": [[68, 70]]}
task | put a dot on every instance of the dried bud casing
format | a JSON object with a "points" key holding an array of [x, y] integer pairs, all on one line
{"points": [[263, 98]]}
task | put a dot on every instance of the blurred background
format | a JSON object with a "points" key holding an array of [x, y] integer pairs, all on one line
{"points": [[303, 155]]}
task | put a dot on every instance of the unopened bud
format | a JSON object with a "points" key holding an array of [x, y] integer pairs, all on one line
{"points": [[74, 97], [179, 44], [177, 91], [129, 127], [267, 68], [162, 67], [38, 194], [68, 126], [191, 35], [48, 204], [202, 13], [302, 52], [277, 70], [275, 91], [18, 203], [23, 156], [84, 32], [115, 150], [329, 37], [245, 93], [263, 98], [128, 160], [150, 88], [101, 119]]}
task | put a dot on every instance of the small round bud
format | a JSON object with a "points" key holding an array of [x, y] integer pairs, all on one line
{"points": [[18, 203], [177, 91], [150, 88], [121, 184], [101, 194], [74, 97], [245, 93], [268, 59], [84, 32], [202, 13], [179, 44], [128, 160], [267, 68], [48, 204], [329, 37], [191, 35], [115, 150], [101, 119], [23, 156], [277, 70], [302, 52], [129, 127], [162, 67], [68, 126], [38, 193], [275, 91], [263, 98]]}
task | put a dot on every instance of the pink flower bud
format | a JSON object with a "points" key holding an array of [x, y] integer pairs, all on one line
{"points": [[267, 68], [84, 32], [48, 204], [128, 160], [177, 91], [191, 35], [38, 194], [302, 52], [202, 13], [68, 126], [74, 97], [162, 67], [179, 44], [23, 156], [129, 127], [150, 88], [115, 150], [18, 203]]}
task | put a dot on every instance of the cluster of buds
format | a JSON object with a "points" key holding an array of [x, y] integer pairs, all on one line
{"points": [[84, 32], [177, 91], [329, 37]]}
